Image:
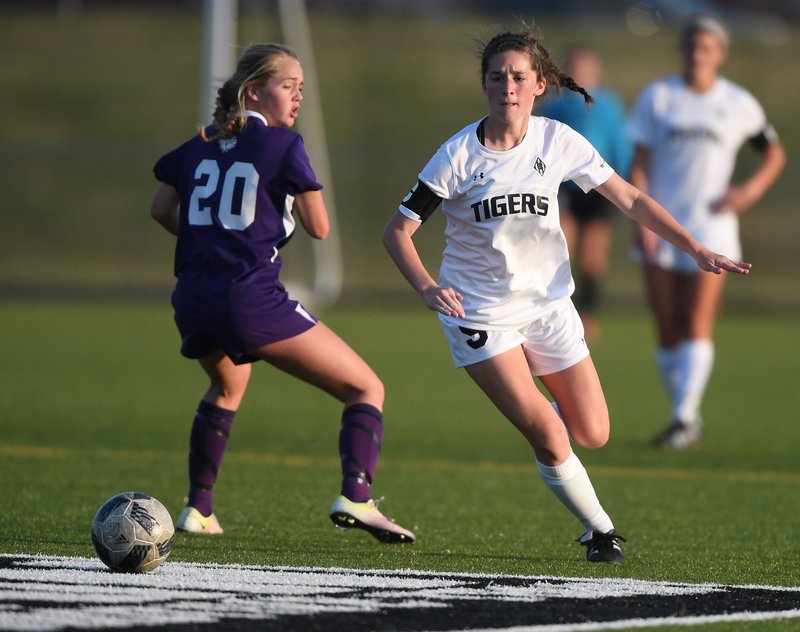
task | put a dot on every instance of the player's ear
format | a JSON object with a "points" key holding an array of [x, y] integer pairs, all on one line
{"points": [[251, 93], [541, 86]]}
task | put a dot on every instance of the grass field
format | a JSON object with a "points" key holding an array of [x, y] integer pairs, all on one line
{"points": [[97, 400]]}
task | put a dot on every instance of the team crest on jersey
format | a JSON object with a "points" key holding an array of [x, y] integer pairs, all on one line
{"points": [[539, 166], [226, 144]]}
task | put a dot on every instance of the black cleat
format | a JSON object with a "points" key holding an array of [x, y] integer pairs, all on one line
{"points": [[604, 547]]}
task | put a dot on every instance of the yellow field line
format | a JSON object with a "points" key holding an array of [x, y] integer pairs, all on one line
{"points": [[33, 451], [440, 465], [619, 471]]}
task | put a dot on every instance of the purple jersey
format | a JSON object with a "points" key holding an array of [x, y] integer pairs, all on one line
{"points": [[236, 198], [236, 201]]}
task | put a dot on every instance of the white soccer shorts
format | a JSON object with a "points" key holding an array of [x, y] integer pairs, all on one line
{"points": [[553, 342]]}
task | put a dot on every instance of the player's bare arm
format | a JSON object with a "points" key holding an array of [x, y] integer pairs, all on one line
{"points": [[164, 207], [646, 211], [739, 198], [310, 208], [397, 238], [646, 240]]}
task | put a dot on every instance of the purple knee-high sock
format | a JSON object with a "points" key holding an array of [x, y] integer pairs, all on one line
{"points": [[359, 446], [207, 444]]}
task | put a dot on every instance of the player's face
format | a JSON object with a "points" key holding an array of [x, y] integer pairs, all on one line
{"points": [[703, 54], [511, 86], [278, 100]]}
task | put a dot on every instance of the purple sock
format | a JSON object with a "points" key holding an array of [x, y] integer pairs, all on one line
{"points": [[359, 445], [207, 444]]}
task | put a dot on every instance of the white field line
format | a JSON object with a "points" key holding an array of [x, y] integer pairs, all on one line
{"points": [[656, 622], [53, 593]]}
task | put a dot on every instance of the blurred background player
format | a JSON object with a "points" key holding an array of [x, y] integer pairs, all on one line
{"points": [[229, 194], [585, 217], [503, 295], [687, 130]]}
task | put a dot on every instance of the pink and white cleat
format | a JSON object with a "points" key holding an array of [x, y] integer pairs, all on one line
{"points": [[347, 514]]}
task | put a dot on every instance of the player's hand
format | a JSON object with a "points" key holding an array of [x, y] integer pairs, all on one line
{"points": [[444, 300], [713, 262]]}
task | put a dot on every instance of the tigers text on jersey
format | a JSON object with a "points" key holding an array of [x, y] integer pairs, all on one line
{"points": [[505, 251], [693, 139], [236, 198]]}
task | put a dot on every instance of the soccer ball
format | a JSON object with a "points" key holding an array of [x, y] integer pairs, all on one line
{"points": [[132, 532]]}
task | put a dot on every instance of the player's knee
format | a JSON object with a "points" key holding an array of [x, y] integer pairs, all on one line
{"points": [[229, 389], [227, 399], [549, 442], [593, 440], [592, 433], [368, 388], [375, 390]]}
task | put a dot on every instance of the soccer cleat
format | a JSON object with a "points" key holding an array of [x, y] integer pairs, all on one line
{"points": [[192, 521], [346, 514], [604, 547], [679, 435]]}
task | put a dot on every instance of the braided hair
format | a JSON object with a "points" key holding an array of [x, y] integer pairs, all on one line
{"points": [[256, 65], [541, 62]]}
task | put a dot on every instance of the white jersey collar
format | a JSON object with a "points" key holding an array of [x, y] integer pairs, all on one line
{"points": [[501, 152], [258, 115]]}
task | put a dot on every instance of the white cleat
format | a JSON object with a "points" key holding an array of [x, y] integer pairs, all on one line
{"points": [[192, 521], [679, 436], [346, 514]]}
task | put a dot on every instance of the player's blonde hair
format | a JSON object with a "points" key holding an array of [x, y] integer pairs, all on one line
{"points": [[541, 61], [255, 66]]}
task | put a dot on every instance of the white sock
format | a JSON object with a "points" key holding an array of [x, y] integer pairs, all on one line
{"points": [[667, 360], [571, 485], [695, 361]]}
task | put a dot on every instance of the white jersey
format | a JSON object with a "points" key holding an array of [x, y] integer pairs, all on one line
{"points": [[693, 139], [505, 250]]}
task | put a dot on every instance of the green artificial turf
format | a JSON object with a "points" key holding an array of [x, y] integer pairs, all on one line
{"points": [[97, 401]]}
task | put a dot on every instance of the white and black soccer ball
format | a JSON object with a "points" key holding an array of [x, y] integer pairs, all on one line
{"points": [[132, 532]]}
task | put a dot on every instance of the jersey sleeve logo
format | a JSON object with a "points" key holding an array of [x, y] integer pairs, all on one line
{"points": [[539, 166]]}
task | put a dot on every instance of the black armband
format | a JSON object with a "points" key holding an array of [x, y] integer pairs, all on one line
{"points": [[421, 200], [765, 137]]}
